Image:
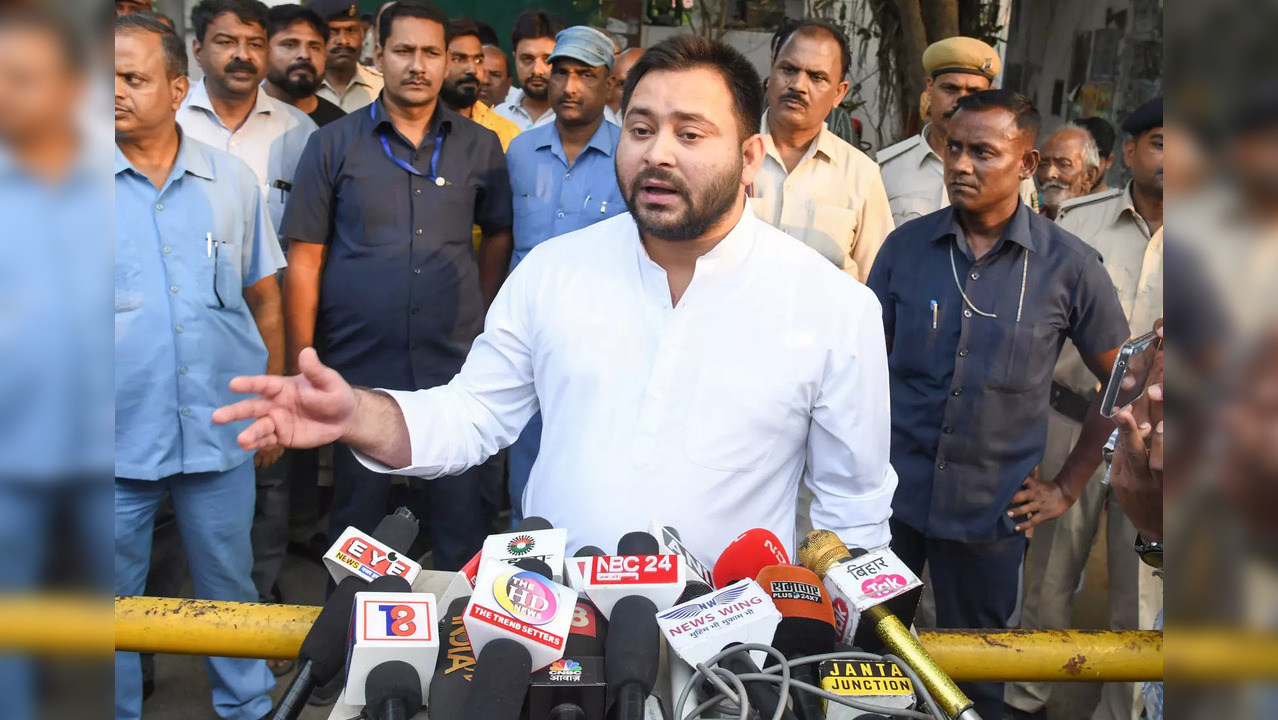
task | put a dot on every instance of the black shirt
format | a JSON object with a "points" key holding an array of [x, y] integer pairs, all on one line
{"points": [[400, 301], [326, 112], [969, 392]]}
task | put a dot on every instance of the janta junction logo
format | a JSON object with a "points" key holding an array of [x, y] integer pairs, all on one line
{"points": [[520, 545]]}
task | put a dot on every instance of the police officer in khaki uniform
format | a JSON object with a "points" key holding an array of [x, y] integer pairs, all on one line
{"points": [[912, 169], [347, 84], [1124, 225]]}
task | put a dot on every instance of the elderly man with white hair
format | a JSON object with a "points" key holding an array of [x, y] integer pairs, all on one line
{"points": [[1068, 167]]}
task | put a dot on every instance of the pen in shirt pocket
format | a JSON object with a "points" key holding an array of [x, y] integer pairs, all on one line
{"points": [[934, 314]]}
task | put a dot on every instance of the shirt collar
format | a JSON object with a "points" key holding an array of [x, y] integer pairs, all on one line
{"points": [[821, 145], [1128, 206], [440, 118], [191, 158], [927, 148], [1020, 230], [199, 97], [359, 78], [730, 251], [600, 141]]}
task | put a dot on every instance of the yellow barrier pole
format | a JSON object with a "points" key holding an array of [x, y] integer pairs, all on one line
{"points": [[56, 625], [199, 627]]}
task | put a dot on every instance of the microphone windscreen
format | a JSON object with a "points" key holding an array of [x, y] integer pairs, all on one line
{"points": [[633, 648], [535, 565], [693, 590], [590, 551], [797, 592], [638, 543], [533, 523], [388, 583], [587, 633], [752, 551], [397, 530], [392, 680], [325, 643], [502, 674], [674, 532], [450, 685]]}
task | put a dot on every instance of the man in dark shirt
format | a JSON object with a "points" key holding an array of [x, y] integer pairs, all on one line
{"points": [[295, 65], [382, 210], [977, 301]]}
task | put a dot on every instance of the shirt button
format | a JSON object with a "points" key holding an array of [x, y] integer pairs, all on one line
{"points": [[159, 206], [417, 271], [167, 249], [940, 465], [567, 176], [967, 313], [956, 391], [976, 275], [948, 429], [1145, 289], [418, 191], [414, 311], [186, 412], [419, 231], [559, 214], [177, 329], [963, 352], [173, 288], [182, 370]]}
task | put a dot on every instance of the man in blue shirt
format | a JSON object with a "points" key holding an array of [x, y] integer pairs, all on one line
{"points": [[977, 300], [563, 179], [195, 288]]}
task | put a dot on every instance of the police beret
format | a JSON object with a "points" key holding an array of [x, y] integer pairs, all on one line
{"points": [[961, 54], [1149, 115], [335, 9]]}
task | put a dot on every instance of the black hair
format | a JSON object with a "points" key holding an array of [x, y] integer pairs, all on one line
{"points": [[686, 52], [174, 49], [250, 12], [810, 27], [1102, 132], [463, 27], [283, 17], [1028, 121], [487, 35], [42, 20], [533, 24], [411, 9]]}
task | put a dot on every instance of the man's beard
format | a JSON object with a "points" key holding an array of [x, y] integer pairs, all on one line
{"points": [[296, 86], [539, 94], [1056, 192], [720, 195], [459, 96]]}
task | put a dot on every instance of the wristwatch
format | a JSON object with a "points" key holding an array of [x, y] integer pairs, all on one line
{"points": [[1151, 553]]}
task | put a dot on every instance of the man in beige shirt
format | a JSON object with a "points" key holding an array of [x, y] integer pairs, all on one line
{"points": [[814, 186], [1125, 226], [347, 84], [913, 171]]}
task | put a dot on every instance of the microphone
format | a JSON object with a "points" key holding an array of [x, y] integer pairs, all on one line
{"points": [[638, 543], [501, 681], [370, 556], [763, 696], [400, 626], [575, 567], [878, 682], [324, 649], [672, 542], [631, 655], [806, 627], [864, 581], [700, 628], [521, 605], [535, 539], [744, 557], [573, 686], [636, 569], [533, 523], [450, 685], [393, 692]]}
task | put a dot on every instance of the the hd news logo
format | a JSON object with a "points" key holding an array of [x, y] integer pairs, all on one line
{"points": [[371, 561], [397, 620], [526, 596], [654, 569]]}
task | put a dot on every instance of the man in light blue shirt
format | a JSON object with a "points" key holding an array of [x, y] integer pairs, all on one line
{"points": [[562, 178], [195, 298]]}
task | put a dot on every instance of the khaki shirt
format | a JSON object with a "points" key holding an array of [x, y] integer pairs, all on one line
{"points": [[833, 201], [914, 177], [1133, 257], [366, 84]]}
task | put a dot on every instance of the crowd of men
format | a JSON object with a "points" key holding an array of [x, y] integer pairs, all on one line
{"points": [[389, 216]]}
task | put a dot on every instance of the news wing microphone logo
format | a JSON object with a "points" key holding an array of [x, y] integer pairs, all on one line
{"points": [[523, 606], [700, 628], [391, 626], [358, 554]]}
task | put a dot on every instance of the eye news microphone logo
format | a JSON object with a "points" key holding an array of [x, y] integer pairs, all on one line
{"points": [[565, 669]]}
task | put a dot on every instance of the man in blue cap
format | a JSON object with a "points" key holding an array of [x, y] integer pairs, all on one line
{"points": [[562, 177]]}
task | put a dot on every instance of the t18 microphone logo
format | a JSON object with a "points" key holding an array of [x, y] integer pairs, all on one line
{"points": [[526, 596], [399, 620]]}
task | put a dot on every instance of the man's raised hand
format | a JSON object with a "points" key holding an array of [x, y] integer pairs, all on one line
{"points": [[312, 408]]}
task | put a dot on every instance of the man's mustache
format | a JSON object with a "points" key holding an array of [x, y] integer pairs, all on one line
{"points": [[342, 50], [536, 78], [303, 65], [468, 80], [1055, 185], [238, 65], [793, 96]]}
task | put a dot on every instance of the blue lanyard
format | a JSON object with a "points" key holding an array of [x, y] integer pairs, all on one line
{"points": [[434, 157]]}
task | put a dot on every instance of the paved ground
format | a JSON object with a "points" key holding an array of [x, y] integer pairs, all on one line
{"points": [[182, 691]]}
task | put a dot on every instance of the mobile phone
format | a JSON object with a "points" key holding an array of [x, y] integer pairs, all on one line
{"points": [[1130, 374]]}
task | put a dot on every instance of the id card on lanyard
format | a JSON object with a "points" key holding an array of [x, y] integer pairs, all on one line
{"points": [[434, 156]]}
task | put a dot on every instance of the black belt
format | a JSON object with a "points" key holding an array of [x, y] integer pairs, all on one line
{"points": [[1069, 403]]}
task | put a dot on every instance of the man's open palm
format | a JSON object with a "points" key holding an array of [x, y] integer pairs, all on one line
{"points": [[312, 408]]}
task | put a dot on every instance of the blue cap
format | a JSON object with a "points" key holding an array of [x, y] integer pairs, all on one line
{"points": [[586, 44], [335, 9], [1145, 117]]}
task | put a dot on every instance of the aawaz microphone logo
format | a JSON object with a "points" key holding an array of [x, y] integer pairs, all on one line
{"points": [[526, 596]]}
